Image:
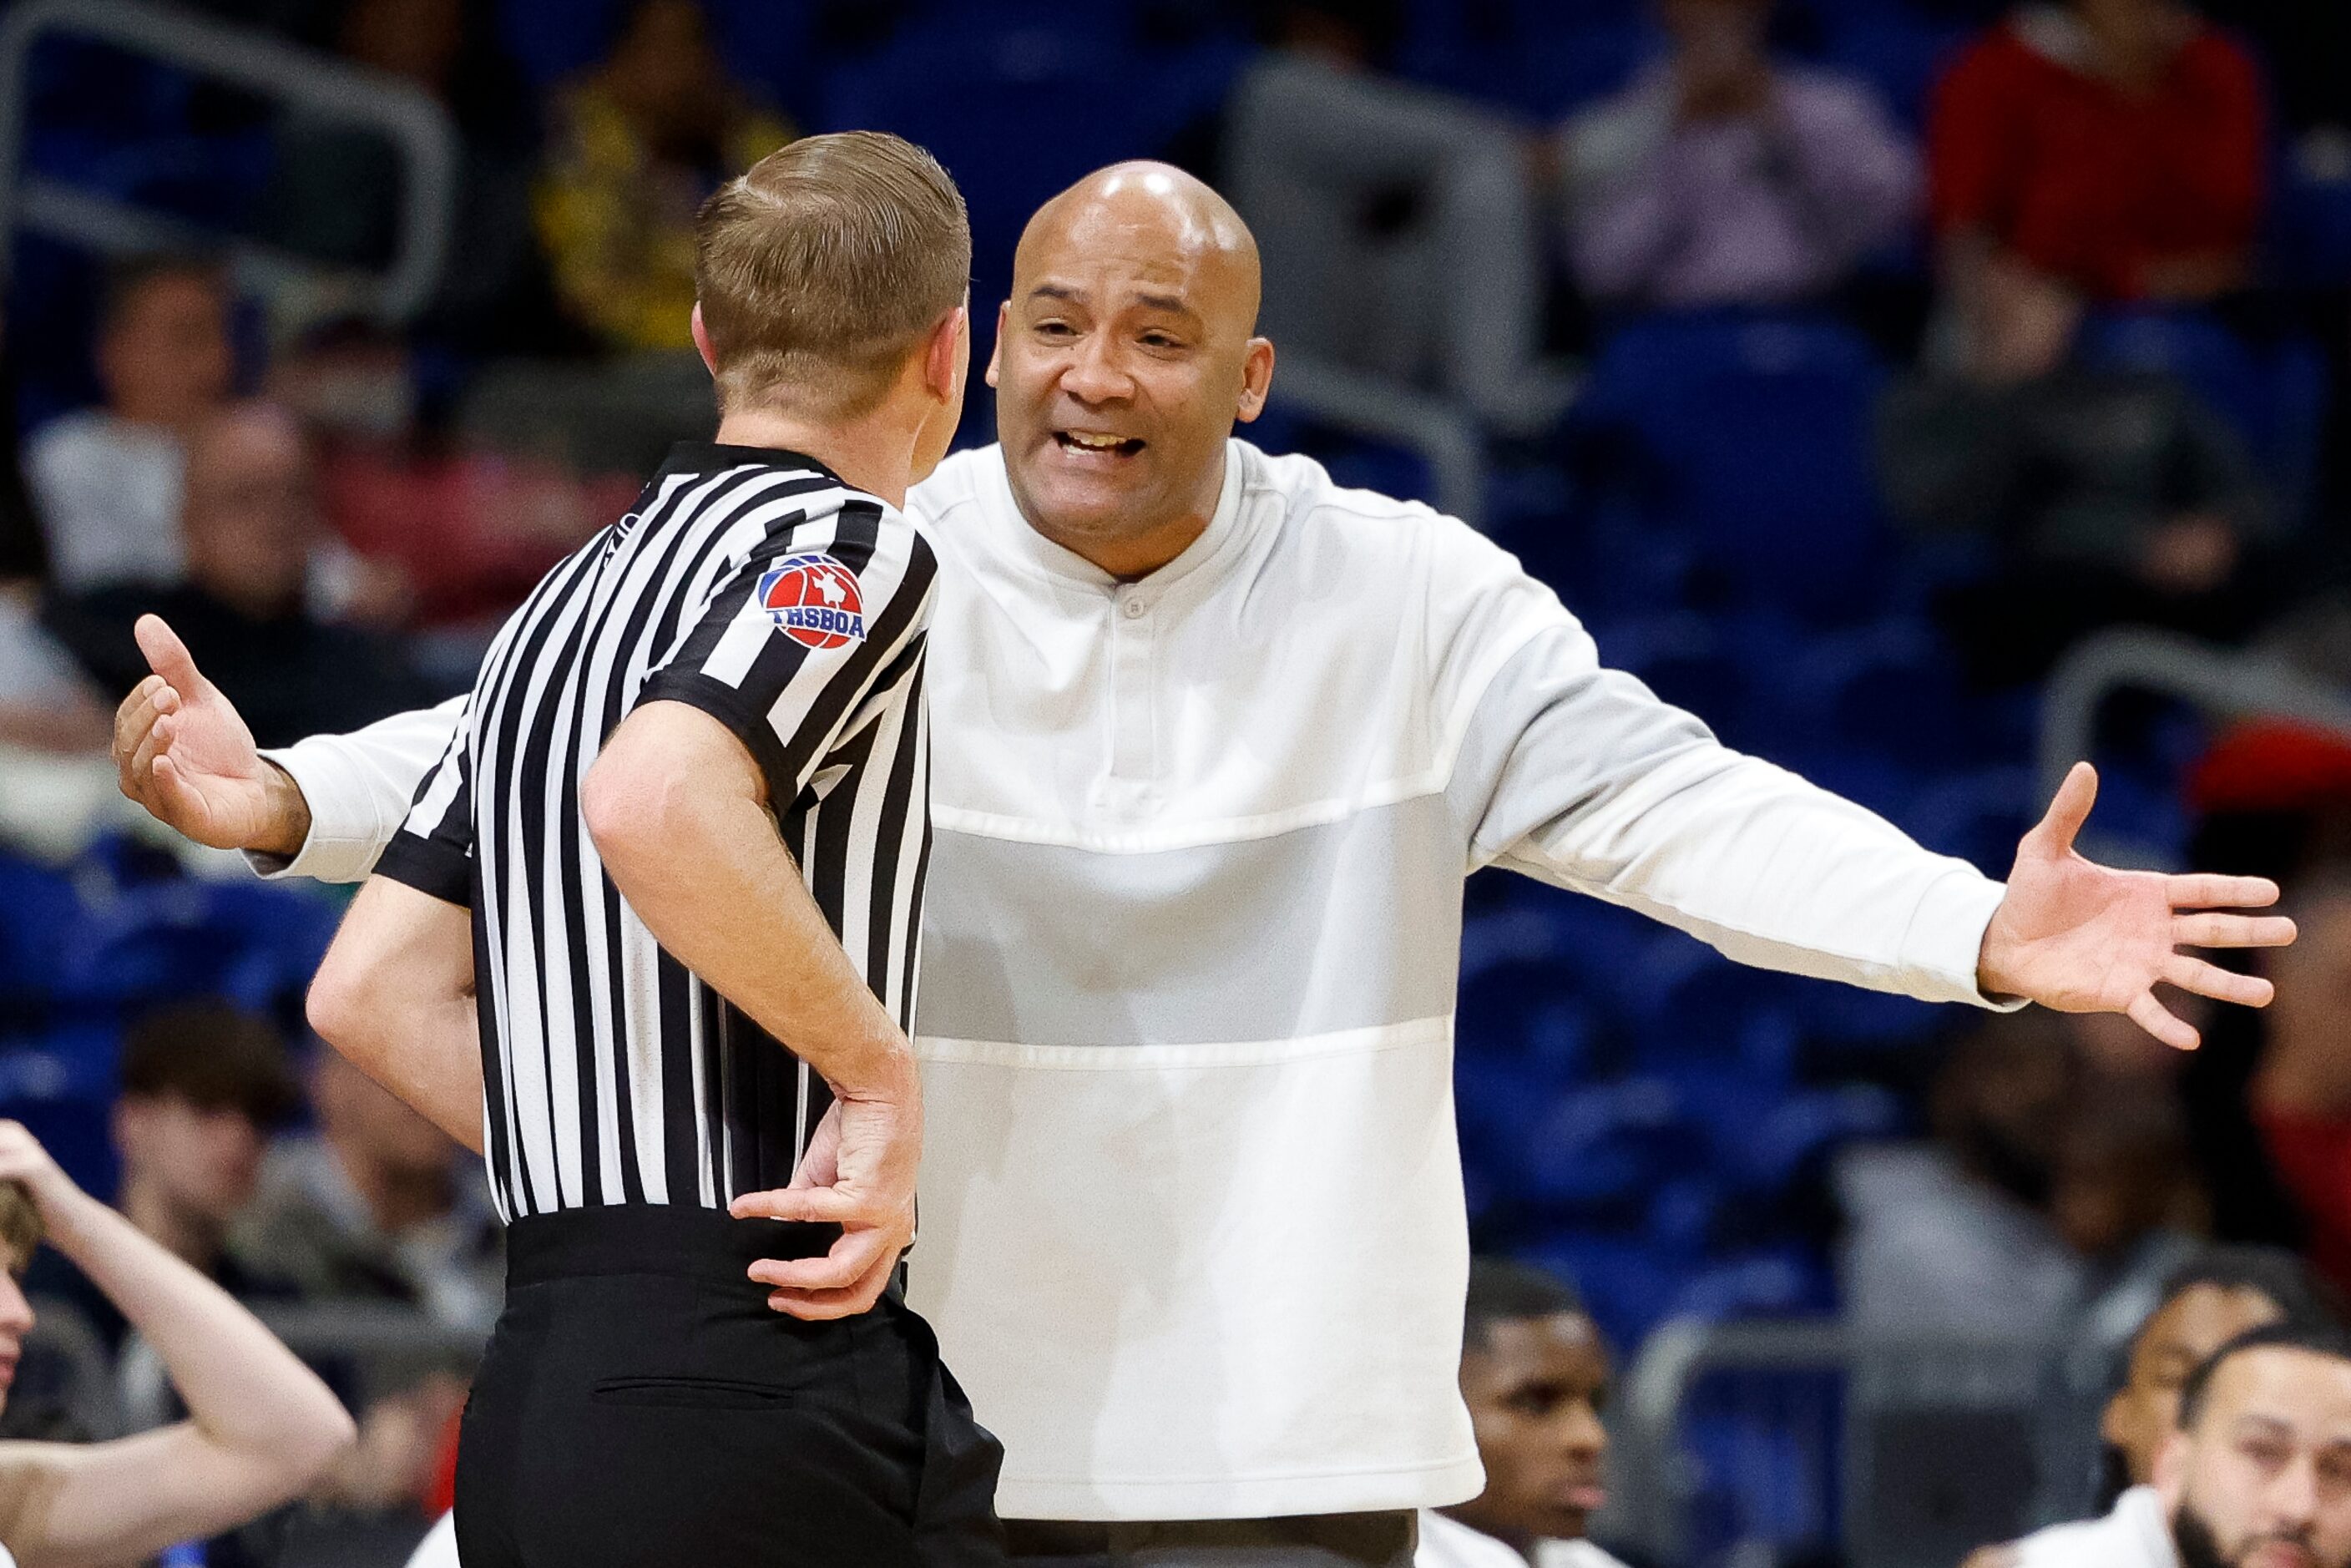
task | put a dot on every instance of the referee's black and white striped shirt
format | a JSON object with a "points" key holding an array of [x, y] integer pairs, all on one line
{"points": [[754, 585]]}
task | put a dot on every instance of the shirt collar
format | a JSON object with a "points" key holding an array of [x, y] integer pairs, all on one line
{"points": [[1067, 565]]}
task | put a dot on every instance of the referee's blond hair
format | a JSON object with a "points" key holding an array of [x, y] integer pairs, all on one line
{"points": [[821, 269]]}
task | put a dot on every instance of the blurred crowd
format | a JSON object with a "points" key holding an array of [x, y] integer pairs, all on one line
{"points": [[334, 512]]}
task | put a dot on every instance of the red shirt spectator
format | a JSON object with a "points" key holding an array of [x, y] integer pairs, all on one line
{"points": [[2114, 145]]}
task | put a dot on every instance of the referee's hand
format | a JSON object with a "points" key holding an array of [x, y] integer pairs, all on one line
{"points": [[182, 751], [859, 1174]]}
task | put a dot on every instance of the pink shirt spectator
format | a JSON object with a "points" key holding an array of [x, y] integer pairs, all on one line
{"points": [[1767, 208]]}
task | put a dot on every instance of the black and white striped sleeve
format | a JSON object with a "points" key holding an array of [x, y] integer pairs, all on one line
{"points": [[785, 650], [434, 850]]}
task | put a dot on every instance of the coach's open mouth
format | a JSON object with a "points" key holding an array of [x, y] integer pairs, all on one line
{"points": [[1097, 440]]}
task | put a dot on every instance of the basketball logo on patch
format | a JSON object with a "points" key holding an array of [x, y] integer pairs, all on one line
{"points": [[814, 601]]}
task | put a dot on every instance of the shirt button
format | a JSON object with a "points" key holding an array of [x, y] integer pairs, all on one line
{"points": [[1136, 609]]}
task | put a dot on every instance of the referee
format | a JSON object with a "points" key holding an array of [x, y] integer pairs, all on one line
{"points": [[664, 886]]}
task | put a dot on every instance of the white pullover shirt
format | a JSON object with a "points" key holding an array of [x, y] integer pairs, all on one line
{"points": [[2135, 1534], [1193, 1229]]}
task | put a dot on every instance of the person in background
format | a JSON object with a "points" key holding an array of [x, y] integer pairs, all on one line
{"points": [[203, 1083], [261, 1426], [1536, 1376], [2053, 1190], [2208, 1302], [2096, 151], [2110, 498], [248, 524], [335, 190], [2250, 1464], [639, 144], [1725, 177], [377, 1206], [380, 1207], [106, 481], [2301, 1091]]}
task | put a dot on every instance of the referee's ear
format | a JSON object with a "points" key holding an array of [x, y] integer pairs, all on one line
{"points": [[701, 343], [1257, 379]]}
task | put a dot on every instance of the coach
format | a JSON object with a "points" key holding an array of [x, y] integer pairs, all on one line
{"points": [[1215, 743]]}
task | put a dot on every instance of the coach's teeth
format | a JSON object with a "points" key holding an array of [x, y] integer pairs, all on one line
{"points": [[1095, 443]]}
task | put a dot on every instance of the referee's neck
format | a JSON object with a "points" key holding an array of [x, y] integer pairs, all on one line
{"points": [[875, 454]]}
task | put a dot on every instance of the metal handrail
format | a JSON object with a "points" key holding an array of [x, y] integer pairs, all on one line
{"points": [[1432, 429], [405, 115], [2213, 678], [1651, 1477]]}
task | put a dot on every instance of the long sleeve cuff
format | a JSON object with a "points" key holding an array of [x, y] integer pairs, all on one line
{"points": [[346, 834], [1945, 941]]}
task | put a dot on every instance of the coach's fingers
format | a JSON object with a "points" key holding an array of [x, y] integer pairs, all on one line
{"points": [[2206, 890], [2159, 1020], [134, 728], [2233, 931], [2221, 985]]}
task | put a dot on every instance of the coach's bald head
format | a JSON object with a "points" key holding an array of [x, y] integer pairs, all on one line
{"points": [[1122, 360]]}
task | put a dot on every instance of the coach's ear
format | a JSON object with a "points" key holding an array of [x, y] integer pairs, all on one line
{"points": [[996, 350], [1257, 379], [702, 341]]}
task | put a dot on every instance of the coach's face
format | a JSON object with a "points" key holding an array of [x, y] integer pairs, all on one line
{"points": [[1122, 360], [2264, 1479]]}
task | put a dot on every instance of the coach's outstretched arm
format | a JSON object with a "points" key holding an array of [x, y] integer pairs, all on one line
{"points": [[679, 811], [1579, 774], [322, 808], [261, 1426]]}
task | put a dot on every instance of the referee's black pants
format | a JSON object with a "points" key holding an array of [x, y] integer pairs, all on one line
{"points": [[640, 1405]]}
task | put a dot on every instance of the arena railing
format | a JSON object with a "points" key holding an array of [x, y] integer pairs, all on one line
{"points": [[407, 117], [1885, 1452], [2216, 680], [366, 1348]]}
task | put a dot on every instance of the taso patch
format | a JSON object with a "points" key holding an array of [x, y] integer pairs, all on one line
{"points": [[814, 601]]}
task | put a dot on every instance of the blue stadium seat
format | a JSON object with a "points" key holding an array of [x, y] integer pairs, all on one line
{"points": [[1754, 435], [254, 945], [1899, 53]]}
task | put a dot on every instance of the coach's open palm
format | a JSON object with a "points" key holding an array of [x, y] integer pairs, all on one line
{"points": [[182, 751], [858, 1173], [2082, 937]]}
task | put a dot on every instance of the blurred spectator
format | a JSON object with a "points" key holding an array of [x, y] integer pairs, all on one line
{"points": [[250, 519], [2247, 1475], [1536, 1376], [2112, 498], [380, 1207], [106, 481], [2048, 1189], [639, 144], [44, 701], [203, 1083], [1347, 35], [2300, 1097], [2208, 1302], [2097, 151], [1725, 177], [377, 1206], [336, 190]]}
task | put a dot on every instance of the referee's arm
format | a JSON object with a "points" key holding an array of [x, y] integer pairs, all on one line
{"points": [[680, 814], [395, 993]]}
